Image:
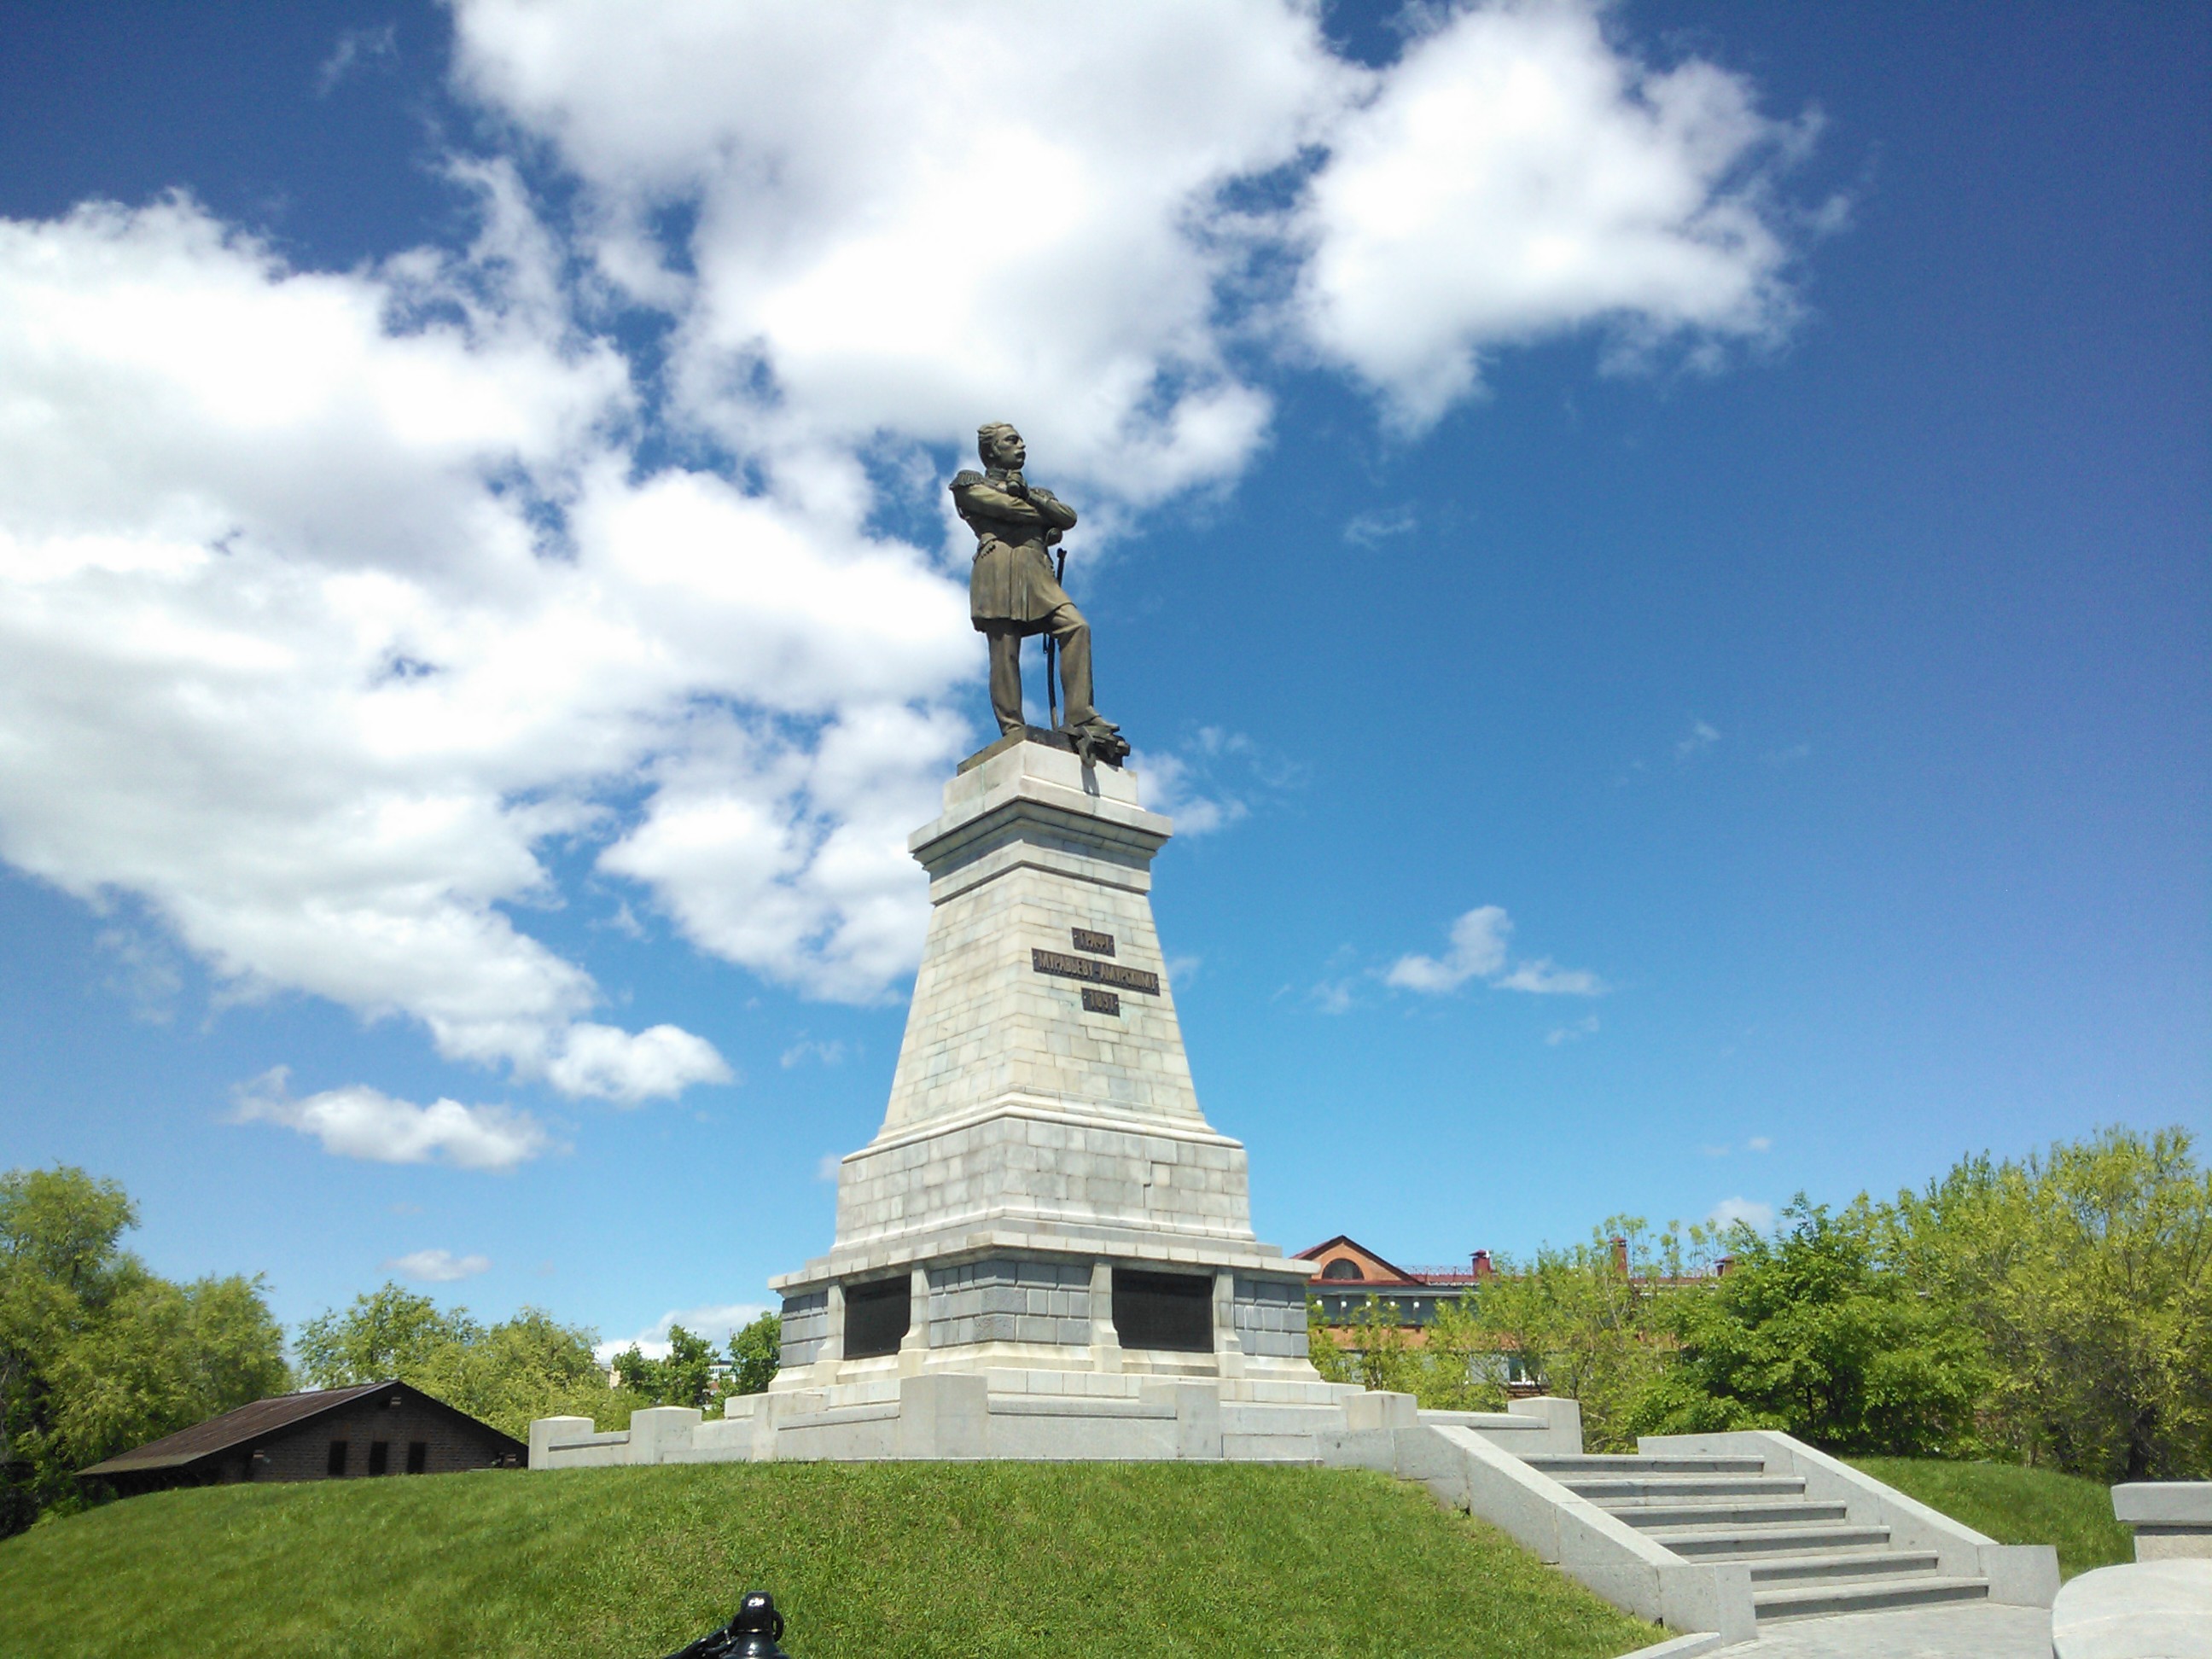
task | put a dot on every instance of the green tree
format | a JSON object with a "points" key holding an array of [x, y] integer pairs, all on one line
{"points": [[757, 1354], [685, 1376], [1816, 1333], [2087, 1272], [1448, 1364], [97, 1353], [388, 1334], [507, 1374], [1581, 1319]]}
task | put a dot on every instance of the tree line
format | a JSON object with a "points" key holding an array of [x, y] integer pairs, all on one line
{"points": [[2053, 1309], [100, 1354]]}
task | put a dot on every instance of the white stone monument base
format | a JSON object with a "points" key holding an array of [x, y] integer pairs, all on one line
{"points": [[1039, 1416]]}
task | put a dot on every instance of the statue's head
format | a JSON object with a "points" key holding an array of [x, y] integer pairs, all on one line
{"points": [[1000, 445]]}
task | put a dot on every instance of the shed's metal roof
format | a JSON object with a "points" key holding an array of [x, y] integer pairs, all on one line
{"points": [[234, 1428]]}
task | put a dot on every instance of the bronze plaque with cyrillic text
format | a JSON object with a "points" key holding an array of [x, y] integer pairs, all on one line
{"points": [[1064, 966]]}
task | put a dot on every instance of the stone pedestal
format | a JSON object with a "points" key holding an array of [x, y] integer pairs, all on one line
{"points": [[1045, 1194]]}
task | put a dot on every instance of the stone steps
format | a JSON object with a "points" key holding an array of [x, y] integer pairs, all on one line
{"points": [[1734, 1544], [1569, 1466], [1848, 1566], [1826, 1601], [1808, 1557], [1647, 1513], [1622, 1489]]}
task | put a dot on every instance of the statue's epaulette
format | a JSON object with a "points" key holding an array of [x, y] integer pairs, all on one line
{"points": [[962, 480]]}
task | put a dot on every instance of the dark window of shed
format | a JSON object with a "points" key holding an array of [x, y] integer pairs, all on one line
{"points": [[379, 1452], [336, 1465], [418, 1456], [1168, 1311], [876, 1316], [1343, 1268]]}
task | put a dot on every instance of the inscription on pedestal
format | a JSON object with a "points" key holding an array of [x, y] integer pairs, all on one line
{"points": [[1102, 1002], [1098, 945], [1058, 963]]}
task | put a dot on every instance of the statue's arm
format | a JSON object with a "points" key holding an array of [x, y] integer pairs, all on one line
{"points": [[1055, 513], [976, 497]]}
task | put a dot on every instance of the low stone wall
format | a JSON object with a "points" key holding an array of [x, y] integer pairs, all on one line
{"points": [[2171, 1519]]}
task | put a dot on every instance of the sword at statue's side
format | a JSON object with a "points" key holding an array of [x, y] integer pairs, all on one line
{"points": [[1052, 651]]}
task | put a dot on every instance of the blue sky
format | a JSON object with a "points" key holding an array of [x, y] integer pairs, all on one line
{"points": [[1660, 560]]}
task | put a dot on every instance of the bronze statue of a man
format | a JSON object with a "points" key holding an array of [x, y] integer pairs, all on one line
{"points": [[1012, 591]]}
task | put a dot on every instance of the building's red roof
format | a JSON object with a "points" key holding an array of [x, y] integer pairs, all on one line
{"points": [[1378, 1272]]}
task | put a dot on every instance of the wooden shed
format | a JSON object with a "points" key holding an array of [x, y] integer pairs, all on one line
{"points": [[330, 1434]]}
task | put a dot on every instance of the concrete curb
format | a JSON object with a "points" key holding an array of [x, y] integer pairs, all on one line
{"points": [[1679, 1647]]}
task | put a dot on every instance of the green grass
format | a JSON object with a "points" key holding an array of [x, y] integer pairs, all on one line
{"points": [[978, 1561], [2016, 1505]]}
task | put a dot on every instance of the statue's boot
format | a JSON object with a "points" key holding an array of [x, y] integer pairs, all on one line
{"points": [[1098, 741]]}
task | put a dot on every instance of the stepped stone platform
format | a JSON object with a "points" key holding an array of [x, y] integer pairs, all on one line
{"points": [[1046, 1253], [1044, 1195]]}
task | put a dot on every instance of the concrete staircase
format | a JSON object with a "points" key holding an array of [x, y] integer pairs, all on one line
{"points": [[1723, 1534], [1806, 1557]]}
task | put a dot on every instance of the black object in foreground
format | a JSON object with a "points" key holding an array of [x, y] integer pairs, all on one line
{"points": [[751, 1635]]}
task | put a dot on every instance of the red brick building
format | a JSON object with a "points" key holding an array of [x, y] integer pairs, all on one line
{"points": [[1345, 1273], [331, 1434]]}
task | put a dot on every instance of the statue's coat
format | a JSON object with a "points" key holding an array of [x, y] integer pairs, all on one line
{"points": [[1014, 524]]}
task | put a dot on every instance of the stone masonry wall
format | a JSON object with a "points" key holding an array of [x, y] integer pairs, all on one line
{"points": [[985, 1023], [806, 1327], [1271, 1317], [1026, 1168], [1010, 1299]]}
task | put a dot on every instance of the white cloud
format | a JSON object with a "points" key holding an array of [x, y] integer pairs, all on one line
{"points": [[363, 1123], [1699, 738], [716, 1321], [1517, 175], [1750, 1213], [283, 652], [1547, 978], [329, 601], [1574, 1032], [849, 163], [1479, 950], [831, 1052], [793, 863], [630, 1068], [1334, 996], [1759, 1144], [357, 49], [1370, 529], [437, 1266], [1172, 785]]}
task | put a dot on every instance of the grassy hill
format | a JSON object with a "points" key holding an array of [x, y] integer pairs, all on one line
{"points": [[982, 1561], [2016, 1505]]}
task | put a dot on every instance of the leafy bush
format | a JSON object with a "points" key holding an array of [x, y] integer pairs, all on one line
{"points": [[1811, 1332], [2086, 1274]]}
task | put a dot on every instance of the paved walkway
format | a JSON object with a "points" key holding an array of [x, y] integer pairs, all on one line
{"points": [[1978, 1632]]}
